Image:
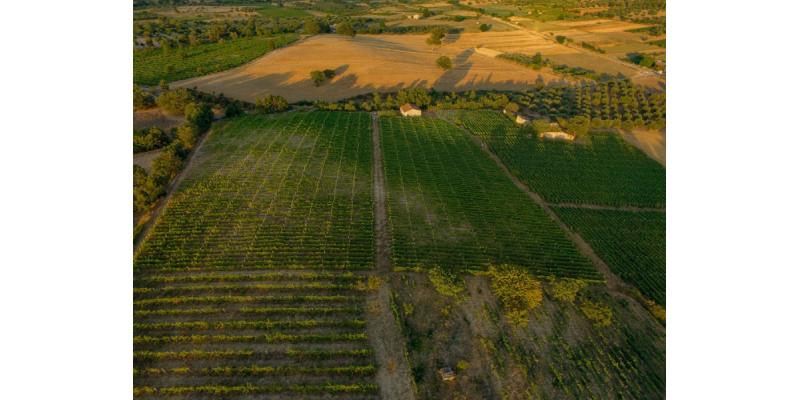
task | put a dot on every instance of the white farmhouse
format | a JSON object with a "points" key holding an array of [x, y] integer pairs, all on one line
{"points": [[410, 110]]}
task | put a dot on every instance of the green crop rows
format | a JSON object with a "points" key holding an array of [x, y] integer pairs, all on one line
{"points": [[450, 205], [152, 65], [605, 171], [251, 282], [632, 243]]}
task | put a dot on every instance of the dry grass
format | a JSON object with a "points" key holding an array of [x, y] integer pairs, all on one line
{"points": [[369, 63]]}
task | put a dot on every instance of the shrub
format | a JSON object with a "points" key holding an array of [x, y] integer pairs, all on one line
{"points": [[436, 37], [444, 62], [561, 39], [175, 101], [233, 109], [345, 28], [485, 27], [187, 135], [600, 314], [566, 289], [142, 99], [518, 292], [199, 115], [149, 139], [445, 283], [272, 104]]}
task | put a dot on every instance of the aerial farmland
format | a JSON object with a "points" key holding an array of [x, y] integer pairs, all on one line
{"points": [[399, 200]]}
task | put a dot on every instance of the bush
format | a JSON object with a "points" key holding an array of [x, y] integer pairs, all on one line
{"points": [[233, 109], [345, 28], [485, 27], [517, 291], [436, 37], [149, 139], [566, 289], [272, 104], [445, 283], [142, 99], [175, 101], [600, 314], [199, 115], [444, 62], [187, 135], [561, 39]]}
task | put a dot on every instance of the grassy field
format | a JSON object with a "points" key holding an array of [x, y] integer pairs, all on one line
{"points": [[605, 171], [632, 243], [450, 205], [281, 12], [250, 282], [150, 66]]}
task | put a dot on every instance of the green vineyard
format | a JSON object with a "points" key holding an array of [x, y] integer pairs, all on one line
{"points": [[152, 65], [632, 243], [450, 205], [604, 171], [252, 281]]}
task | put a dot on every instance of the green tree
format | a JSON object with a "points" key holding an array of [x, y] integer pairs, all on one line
{"points": [[436, 37], [345, 28], [141, 98], [272, 104], [485, 27], [444, 62], [199, 115], [317, 77], [311, 26], [187, 135], [175, 101]]}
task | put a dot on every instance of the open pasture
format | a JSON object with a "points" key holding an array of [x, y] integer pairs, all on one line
{"points": [[365, 64], [450, 205]]}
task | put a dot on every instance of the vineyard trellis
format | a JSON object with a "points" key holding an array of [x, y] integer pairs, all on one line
{"points": [[252, 280], [449, 205]]}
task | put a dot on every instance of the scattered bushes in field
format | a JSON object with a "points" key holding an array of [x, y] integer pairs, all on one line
{"points": [[561, 39], [589, 46], [600, 314], [516, 290], [142, 99], [444, 62], [272, 104]]}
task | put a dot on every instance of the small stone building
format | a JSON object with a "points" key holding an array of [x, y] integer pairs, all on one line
{"points": [[521, 119], [557, 136], [410, 110]]}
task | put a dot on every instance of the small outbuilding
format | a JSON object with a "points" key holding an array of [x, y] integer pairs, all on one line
{"points": [[447, 374], [410, 110], [521, 119]]}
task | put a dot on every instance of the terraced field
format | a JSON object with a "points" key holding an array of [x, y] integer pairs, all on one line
{"points": [[252, 280], [605, 171], [450, 205], [632, 243]]}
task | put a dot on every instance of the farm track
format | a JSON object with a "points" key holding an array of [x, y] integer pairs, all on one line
{"points": [[394, 374], [613, 282]]}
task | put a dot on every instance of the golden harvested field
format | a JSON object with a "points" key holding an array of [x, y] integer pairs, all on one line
{"points": [[370, 63]]}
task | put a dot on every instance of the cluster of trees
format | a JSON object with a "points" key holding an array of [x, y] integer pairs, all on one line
{"points": [[319, 77], [272, 104], [150, 139], [421, 97], [149, 187], [642, 59], [536, 62]]}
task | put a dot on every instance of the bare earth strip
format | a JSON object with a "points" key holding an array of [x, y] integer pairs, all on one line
{"points": [[369, 63], [394, 374], [652, 143]]}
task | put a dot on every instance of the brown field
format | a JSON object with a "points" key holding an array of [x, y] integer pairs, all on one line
{"points": [[370, 63]]}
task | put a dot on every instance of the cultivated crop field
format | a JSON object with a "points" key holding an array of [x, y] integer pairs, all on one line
{"points": [[152, 65], [632, 243], [252, 282], [605, 171], [451, 206]]}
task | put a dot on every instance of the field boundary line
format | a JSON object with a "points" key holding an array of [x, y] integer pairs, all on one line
{"points": [[613, 282], [607, 208], [145, 233], [394, 374]]}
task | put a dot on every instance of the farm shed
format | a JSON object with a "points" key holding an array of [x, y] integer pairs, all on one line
{"points": [[521, 119], [447, 374], [557, 136], [410, 110]]}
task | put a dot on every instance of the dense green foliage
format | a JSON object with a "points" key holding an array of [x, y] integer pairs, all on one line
{"points": [[290, 194], [272, 104], [633, 244], [150, 139], [451, 206], [536, 62], [154, 64], [444, 62], [605, 170]]}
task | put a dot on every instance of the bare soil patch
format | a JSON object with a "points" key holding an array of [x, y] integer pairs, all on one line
{"points": [[653, 143], [145, 159]]}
